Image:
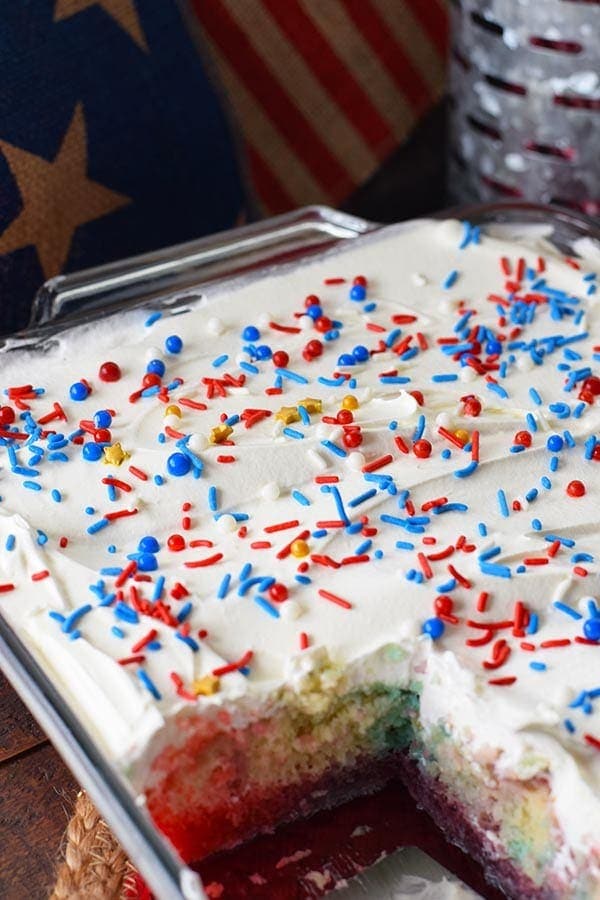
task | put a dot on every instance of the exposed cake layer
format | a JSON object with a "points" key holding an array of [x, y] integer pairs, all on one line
{"points": [[380, 467]]}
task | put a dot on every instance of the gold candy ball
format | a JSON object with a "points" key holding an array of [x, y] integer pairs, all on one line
{"points": [[350, 402], [299, 549]]}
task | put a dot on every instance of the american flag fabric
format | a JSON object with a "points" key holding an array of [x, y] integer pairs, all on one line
{"points": [[112, 140], [128, 125], [323, 90]]}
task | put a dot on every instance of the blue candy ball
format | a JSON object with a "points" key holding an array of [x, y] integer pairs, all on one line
{"points": [[250, 333], [173, 344], [263, 352], [358, 292], [591, 629], [156, 367], [146, 562], [92, 452], [315, 312], [178, 464], [434, 628], [360, 353], [493, 348], [102, 419], [555, 443], [346, 359], [78, 391], [148, 544]]}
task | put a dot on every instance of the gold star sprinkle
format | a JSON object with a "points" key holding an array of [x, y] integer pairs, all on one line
{"points": [[288, 414], [311, 405], [115, 455], [220, 433], [206, 686]]}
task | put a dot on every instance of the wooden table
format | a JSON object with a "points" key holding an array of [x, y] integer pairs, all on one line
{"points": [[37, 790]]}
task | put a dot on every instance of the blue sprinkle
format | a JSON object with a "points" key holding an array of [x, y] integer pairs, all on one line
{"points": [[533, 623], [299, 497], [568, 610], [362, 498], [248, 367], [536, 524], [497, 389], [32, 485], [303, 579], [118, 632], [566, 542], [74, 617], [149, 684], [268, 607], [531, 495], [304, 416], [332, 382], [10, 542], [538, 666], [158, 588], [292, 433], [393, 379], [223, 587], [405, 545], [97, 526], [187, 639], [446, 454], [245, 573], [545, 482], [291, 376], [535, 396], [449, 507], [159, 480], [212, 498], [482, 528], [333, 448], [569, 726], [152, 318], [468, 470], [498, 571], [220, 360], [420, 428], [364, 547], [379, 554], [126, 613], [503, 505], [450, 279], [56, 495], [442, 378]]}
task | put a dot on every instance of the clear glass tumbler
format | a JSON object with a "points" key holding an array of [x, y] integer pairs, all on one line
{"points": [[525, 102]]}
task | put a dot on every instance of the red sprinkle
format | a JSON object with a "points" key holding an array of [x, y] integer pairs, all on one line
{"points": [[4, 588], [138, 473], [303, 640], [234, 666], [39, 576], [201, 563], [503, 682], [592, 741], [339, 601], [281, 526], [379, 463], [128, 660]]}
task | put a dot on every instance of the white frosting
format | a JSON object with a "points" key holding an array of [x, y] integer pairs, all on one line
{"points": [[379, 638]]}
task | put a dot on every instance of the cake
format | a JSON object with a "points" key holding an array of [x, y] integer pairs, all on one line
{"points": [[322, 526]]}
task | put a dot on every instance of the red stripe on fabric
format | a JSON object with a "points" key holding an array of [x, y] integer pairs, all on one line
{"points": [[269, 188], [390, 53], [434, 19], [331, 71], [284, 114]]}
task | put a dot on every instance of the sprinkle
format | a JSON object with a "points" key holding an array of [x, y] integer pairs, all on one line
{"points": [[268, 607], [149, 684], [202, 563], [300, 498], [502, 504], [333, 448], [234, 666], [568, 610], [450, 279], [333, 598], [535, 396]]}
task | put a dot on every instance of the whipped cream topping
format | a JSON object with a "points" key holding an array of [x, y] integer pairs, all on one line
{"points": [[432, 458]]}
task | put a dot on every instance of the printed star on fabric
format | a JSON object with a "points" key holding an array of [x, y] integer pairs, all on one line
{"points": [[122, 11], [56, 196]]}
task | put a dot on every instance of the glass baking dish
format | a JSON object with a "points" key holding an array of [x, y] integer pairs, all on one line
{"points": [[173, 277]]}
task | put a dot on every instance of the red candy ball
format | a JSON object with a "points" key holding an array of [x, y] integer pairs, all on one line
{"points": [[323, 324], [592, 384], [109, 371], [345, 416], [472, 407], [102, 436], [175, 543], [280, 359], [312, 300], [443, 605], [7, 415], [151, 379], [314, 348], [422, 449], [361, 280], [523, 438], [596, 453], [352, 439], [576, 489], [278, 592]]}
